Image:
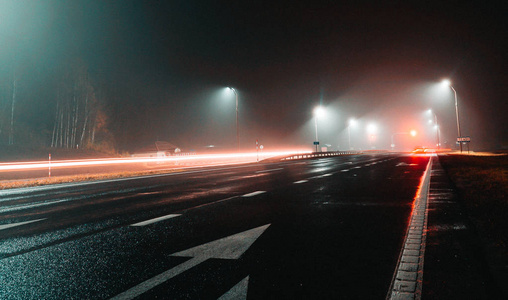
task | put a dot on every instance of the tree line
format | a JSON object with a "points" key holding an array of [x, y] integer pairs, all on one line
{"points": [[58, 107]]}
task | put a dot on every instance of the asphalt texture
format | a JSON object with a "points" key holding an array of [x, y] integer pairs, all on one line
{"points": [[329, 228]]}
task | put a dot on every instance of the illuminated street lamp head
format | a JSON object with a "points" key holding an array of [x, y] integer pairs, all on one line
{"points": [[371, 128], [319, 111], [446, 82], [352, 122], [413, 132], [232, 89]]}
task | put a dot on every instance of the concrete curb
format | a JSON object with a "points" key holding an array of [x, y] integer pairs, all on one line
{"points": [[408, 276]]}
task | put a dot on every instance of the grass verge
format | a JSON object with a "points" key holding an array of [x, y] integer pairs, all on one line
{"points": [[10, 184], [482, 185]]}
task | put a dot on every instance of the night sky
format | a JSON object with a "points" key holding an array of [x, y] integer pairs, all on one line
{"points": [[163, 67]]}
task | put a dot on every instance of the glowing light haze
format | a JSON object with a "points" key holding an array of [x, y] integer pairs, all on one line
{"points": [[159, 69]]}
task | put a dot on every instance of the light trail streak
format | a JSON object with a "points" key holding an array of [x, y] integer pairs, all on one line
{"points": [[248, 157]]}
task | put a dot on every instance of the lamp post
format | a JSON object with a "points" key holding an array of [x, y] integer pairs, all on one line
{"points": [[318, 112], [237, 132], [412, 133], [371, 131], [448, 83], [436, 126], [351, 122]]}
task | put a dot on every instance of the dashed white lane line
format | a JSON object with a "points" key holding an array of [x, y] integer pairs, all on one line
{"points": [[345, 170], [254, 194], [300, 181], [326, 175], [155, 220], [5, 226]]}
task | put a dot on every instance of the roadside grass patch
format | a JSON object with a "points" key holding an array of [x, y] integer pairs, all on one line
{"points": [[482, 184], [10, 184]]}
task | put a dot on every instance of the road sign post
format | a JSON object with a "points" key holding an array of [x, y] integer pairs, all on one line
{"points": [[464, 140], [316, 143]]}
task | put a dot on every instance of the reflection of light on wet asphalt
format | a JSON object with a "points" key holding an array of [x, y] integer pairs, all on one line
{"points": [[118, 161]]}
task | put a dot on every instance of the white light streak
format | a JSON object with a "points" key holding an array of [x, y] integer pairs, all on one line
{"points": [[35, 165]]}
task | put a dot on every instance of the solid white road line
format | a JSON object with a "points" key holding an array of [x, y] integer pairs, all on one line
{"points": [[5, 226], [147, 222], [254, 194]]}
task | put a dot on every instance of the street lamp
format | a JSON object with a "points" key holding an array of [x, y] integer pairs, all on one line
{"points": [[447, 82], [319, 111], [412, 133], [351, 122], [237, 133], [436, 126], [371, 131]]}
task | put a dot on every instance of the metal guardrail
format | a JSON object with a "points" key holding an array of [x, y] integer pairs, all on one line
{"points": [[319, 154]]}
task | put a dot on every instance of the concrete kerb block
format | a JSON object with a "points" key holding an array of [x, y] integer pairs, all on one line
{"points": [[408, 267], [410, 259], [405, 286], [407, 276], [416, 240], [415, 231], [408, 252], [402, 296], [412, 246]]}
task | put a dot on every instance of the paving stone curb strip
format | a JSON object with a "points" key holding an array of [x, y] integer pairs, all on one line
{"points": [[408, 275]]}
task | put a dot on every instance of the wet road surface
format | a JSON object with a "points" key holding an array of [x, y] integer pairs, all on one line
{"points": [[311, 229]]}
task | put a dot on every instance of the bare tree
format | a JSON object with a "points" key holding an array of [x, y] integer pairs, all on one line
{"points": [[78, 113], [13, 105]]}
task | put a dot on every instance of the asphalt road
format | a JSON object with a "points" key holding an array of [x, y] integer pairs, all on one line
{"points": [[325, 228]]}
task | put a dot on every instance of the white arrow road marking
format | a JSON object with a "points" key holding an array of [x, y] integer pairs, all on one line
{"points": [[231, 247], [147, 222], [238, 292], [254, 194], [5, 226]]}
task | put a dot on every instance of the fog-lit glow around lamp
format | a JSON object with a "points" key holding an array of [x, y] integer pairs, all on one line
{"points": [[436, 126], [413, 133], [371, 128], [319, 111], [446, 82], [351, 122], [237, 130]]}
